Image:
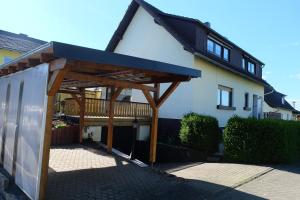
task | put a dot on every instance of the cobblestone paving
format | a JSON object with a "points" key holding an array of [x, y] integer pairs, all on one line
{"points": [[281, 183], [225, 174], [79, 173]]}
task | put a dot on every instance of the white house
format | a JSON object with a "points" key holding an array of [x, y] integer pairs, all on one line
{"points": [[231, 82], [275, 105]]}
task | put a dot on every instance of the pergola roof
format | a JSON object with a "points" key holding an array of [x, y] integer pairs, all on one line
{"points": [[98, 64]]}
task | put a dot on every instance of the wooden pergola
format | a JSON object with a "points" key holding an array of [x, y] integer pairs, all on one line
{"points": [[73, 68]]}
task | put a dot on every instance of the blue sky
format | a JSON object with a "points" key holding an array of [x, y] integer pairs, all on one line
{"points": [[269, 30]]}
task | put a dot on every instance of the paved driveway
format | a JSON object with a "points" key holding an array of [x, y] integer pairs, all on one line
{"points": [[77, 172]]}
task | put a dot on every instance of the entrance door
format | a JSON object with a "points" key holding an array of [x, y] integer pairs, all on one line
{"points": [[257, 107]]}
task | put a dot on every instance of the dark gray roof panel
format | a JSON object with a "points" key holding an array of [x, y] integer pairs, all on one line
{"points": [[274, 99], [18, 42]]}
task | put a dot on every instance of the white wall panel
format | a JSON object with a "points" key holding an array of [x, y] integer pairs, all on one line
{"points": [[11, 123], [3, 88], [31, 126]]}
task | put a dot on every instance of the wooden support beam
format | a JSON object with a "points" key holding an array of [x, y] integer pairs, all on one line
{"points": [[4, 72], [167, 93], [65, 91], [46, 57], [110, 125], [21, 66], [149, 98], [108, 81], [153, 136], [32, 62], [12, 69], [55, 81], [154, 124], [58, 64], [81, 114], [46, 148]]}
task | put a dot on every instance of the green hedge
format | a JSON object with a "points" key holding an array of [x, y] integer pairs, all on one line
{"points": [[261, 141], [200, 132]]}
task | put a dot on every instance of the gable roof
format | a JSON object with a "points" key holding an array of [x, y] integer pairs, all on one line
{"points": [[274, 99], [18, 42], [184, 30]]}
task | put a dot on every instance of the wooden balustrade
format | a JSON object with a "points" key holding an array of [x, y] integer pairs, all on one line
{"points": [[99, 108]]}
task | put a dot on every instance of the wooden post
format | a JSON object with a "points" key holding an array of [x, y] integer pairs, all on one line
{"points": [[54, 84], [155, 102], [153, 137], [154, 125], [46, 148], [81, 114], [110, 127]]}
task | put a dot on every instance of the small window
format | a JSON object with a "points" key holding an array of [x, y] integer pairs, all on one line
{"points": [[282, 100], [246, 100], [248, 65], [224, 96], [226, 54], [7, 59], [210, 46], [251, 67], [218, 50], [243, 63]]}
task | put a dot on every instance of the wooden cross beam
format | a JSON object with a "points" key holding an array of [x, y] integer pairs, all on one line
{"points": [[108, 81]]}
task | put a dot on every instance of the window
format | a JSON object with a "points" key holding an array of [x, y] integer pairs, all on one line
{"points": [[217, 49], [248, 65], [210, 46], [226, 54], [243, 64], [251, 67], [246, 100], [224, 96], [282, 100], [7, 59]]}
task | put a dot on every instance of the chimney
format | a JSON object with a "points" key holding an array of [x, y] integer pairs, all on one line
{"points": [[207, 24], [294, 104]]}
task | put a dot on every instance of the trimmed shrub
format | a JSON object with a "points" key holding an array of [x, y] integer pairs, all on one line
{"points": [[200, 132], [261, 141]]}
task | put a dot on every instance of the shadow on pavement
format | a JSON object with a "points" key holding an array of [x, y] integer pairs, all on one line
{"points": [[127, 181]]}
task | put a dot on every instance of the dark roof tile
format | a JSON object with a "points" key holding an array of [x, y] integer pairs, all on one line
{"points": [[18, 42]]}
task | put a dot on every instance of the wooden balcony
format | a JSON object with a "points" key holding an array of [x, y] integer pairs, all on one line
{"points": [[99, 108]]}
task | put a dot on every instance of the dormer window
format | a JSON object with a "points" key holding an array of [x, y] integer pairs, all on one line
{"points": [[248, 65], [282, 100], [217, 49]]}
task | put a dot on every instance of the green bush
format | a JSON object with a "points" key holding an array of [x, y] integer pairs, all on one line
{"points": [[200, 132], [261, 141]]}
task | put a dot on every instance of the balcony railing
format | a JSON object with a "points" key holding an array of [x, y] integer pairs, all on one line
{"points": [[99, 108]]}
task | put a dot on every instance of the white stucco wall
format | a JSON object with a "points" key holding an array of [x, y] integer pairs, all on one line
{"points": [[205, 92], [144, 38], [285, 114]]}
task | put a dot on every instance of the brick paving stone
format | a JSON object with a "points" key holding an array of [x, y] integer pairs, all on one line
{"points": [[220, 175], [80, 173], [281, 183]]}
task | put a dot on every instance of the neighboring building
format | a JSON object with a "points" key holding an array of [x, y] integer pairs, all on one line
{"points": [[13, 45], [231, 82], [276, 107]]}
